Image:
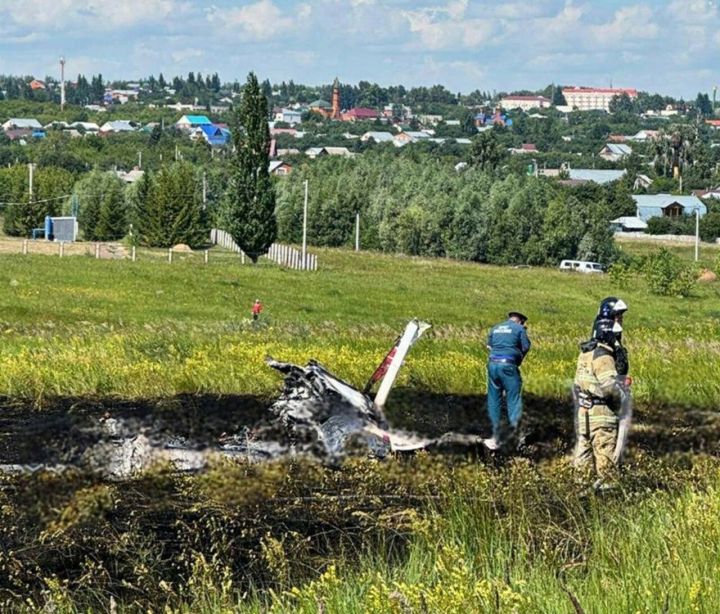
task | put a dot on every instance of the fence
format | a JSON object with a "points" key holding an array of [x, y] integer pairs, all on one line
{"points": [[284, 255], [292, 258]]}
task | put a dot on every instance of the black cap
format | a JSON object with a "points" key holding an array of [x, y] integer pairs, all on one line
{"points": [[522, 317]]}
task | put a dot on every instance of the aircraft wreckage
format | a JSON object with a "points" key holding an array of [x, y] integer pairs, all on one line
{"points": [[317, 415]]}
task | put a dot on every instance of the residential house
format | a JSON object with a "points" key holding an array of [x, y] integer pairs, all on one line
{"points": [[667, 205], [410, 136], [315, 152], [55, 125], [339, 151], [36, 85], [131, 176], [617, 138], [430, 120], [642, 182], [496, 119], [594, 98], [645, 135], [121, 96], [22, 124], [525, 148], [359, 114], [614, 152], [87, 127], [714, 123], [707, 193], [277, 131], [525, 103], [283, 153], [378, 137], [214, 135], [279, 168], [579, 176], [117, 126], [190, 122], [289, 116], [628, 224]]}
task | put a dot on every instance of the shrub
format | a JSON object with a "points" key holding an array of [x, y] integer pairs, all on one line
{"points": [[667, 275]]}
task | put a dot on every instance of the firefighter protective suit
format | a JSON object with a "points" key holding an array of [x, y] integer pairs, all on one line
{"points": [[599, 395]]}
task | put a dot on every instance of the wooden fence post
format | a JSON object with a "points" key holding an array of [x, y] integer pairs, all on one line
{"points": [[62, 248], [134, 254], [206, 256], [170, 255], [97, 251], [25, 247]]}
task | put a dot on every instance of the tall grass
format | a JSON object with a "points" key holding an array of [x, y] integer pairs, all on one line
{"points": [[83, 327]]}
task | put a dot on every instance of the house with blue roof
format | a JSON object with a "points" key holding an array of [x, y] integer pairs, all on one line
{"points": [[667, 205], [190, 122], [213, 135]]}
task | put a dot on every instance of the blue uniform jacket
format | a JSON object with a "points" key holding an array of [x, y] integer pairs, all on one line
{"points": [[508, 341]]}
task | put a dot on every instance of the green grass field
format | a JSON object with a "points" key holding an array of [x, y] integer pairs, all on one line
{"points": [[419, 535]]}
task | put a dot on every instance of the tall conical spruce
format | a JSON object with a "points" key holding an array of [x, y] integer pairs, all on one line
{"points": [[249, 207]]}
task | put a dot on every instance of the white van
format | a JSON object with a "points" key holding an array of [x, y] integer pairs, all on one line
{"points": [[581, 266]]}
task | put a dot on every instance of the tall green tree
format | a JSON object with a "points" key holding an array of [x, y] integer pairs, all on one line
{"points": [[249, 208], [486, 152], [172, 212], [102, 210]]}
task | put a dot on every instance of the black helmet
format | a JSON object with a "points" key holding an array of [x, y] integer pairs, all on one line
{"points": [[607, 331], [610, 307], [522, 317]]}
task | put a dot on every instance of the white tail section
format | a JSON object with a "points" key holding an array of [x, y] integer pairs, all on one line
{"points": [[413, 331]]}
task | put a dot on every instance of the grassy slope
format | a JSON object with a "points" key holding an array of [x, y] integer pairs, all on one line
{"points": [[81, 326], [500, 538]]}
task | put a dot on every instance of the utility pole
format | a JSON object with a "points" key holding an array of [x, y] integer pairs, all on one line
{"points": [[357, 231], [31, 168], [140, 160], [62, 83], [204, 190], [697, 234], [305, 213]]}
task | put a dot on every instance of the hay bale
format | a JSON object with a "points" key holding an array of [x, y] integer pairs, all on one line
{"points": [[707, 276], [182, 248]]}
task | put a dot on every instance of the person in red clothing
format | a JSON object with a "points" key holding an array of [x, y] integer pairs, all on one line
{"points": [[256, 309]]}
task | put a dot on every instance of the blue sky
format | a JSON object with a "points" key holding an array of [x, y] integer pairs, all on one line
{"points": [[668, 46]]}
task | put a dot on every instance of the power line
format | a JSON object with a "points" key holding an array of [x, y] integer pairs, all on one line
{"points": [[45, 200]]}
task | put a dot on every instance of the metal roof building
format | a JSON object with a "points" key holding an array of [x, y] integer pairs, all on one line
{"points": [[667, 205], [601, 177]]}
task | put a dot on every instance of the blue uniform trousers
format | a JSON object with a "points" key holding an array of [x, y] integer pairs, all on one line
{"points": [[504, 377]]}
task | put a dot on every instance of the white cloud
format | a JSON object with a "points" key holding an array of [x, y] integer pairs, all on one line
{"points": [[182, 55], [693, 11], [104, 14], [446, 27], [259, 21], [629, 23]]}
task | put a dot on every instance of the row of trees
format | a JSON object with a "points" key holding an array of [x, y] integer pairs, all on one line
{"points": [[427, 208], [165, 207]]}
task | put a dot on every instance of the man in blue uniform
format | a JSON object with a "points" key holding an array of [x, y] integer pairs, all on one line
{"points": [[508, 344]]}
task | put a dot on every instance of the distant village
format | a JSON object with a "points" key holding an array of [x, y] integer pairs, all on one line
{"points": [[397, 125]]}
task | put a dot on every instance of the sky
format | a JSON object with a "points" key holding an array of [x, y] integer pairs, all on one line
{"points": [[667, 46]]}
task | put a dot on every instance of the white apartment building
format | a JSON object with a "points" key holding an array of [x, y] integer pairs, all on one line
{"points": [[525, 102], [594, 98]]}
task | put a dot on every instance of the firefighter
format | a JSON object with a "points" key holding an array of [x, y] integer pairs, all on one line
{"points": [[508, 343], [602, 397]]}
